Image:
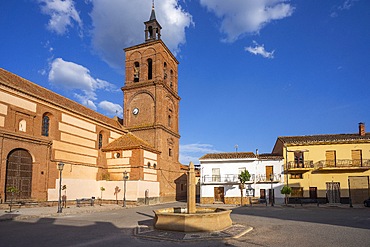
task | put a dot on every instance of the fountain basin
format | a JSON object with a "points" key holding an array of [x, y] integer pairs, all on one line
{"points": [[204, 220]]}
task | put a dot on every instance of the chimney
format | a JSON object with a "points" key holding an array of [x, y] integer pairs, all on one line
{"points": [[361, 129]]}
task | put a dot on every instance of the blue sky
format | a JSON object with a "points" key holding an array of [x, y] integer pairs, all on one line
{"points": [[249, 71]]}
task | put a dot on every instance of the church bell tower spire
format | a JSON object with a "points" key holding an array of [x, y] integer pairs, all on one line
{"points": [[152, 27]]}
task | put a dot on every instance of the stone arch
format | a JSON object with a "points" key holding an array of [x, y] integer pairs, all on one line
{"points": [[144, 101], [19, 173]]}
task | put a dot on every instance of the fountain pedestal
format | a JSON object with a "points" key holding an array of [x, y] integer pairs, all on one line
{"points": [[203, 220], [192, 219]]}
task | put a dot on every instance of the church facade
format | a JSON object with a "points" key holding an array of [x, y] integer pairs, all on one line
{"points": [[39, 129]]}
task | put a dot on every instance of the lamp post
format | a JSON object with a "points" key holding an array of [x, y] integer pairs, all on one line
{"points": [[272, 190], [125, 177], [60, 168]]}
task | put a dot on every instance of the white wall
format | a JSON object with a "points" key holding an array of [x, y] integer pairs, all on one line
{"points": [[255, 168], [77, 188]]}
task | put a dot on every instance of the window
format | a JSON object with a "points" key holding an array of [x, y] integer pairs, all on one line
{"points": [[269, 172], [164, 71], [169, 118], [150, 69], [154, 165], [216, 177], [170, 152], [22, 125], [136, 71], [357, 157], [298, 160], [297, 192], [330, 158], [45, 125], [171, 78], [296, 176], [148, 164], [100, 141]]}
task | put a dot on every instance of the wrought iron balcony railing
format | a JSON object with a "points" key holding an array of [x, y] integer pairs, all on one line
{"points": [[343, 163], [263, 178], [305, 164], [233, 178], [339, 163]]}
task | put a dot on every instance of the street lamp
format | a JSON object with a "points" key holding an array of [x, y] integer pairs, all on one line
{"points": [[272, 190], [125, 177], [60, 168]]}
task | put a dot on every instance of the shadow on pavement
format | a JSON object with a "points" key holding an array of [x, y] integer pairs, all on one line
{"points": [[349, 217]]}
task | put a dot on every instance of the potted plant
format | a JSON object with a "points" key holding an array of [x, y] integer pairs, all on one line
{"points": [[243, 177]]}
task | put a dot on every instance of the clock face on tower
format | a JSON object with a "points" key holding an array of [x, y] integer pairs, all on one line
{"points": [[135, 111]]}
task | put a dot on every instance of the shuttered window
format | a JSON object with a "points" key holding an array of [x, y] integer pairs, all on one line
{"points": [[330, 158], [357, 157], [216, 175]]}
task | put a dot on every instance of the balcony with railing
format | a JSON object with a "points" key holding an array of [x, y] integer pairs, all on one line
{"points": [[306, 165], [233, 179], [362, 164], [263, 179]]}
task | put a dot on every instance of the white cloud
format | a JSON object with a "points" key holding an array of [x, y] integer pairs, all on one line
{"points": [[240, 17], [192, 152], [259, 50], [118, 24], [346, 5], [111, 109], [85, 101], [73, 76], [62, 14]]}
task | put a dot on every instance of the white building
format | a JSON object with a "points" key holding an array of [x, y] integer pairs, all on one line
{"points": [[219, 181]]}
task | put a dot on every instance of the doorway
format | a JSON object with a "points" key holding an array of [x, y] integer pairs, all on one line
{"points": [[219, 194], [333, 192], [313, 192], [19, 174]]}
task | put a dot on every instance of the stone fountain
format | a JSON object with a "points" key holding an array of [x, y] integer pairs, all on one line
{"points": [[192, 219]]}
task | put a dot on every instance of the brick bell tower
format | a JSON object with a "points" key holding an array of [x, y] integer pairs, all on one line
{"points": [[151, 102]]}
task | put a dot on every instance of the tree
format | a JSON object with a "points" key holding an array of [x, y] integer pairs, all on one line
{"points": [[101, 193], [11, 190], [243, 177], [286, 190]]}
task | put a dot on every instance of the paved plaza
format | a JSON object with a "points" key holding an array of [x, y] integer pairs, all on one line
{"points": [[113, 225]]}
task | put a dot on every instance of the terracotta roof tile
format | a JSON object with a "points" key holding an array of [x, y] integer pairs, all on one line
{"points": [[20, 84], [234, 155], [270, 157], [128, 141], [324, 139]]}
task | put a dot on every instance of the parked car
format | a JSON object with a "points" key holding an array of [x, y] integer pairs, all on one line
{"points": [[367, 203]]}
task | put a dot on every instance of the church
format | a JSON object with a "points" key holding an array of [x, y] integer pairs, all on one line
{"points": [[40, 129]]}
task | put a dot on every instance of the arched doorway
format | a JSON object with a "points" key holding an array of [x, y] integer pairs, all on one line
{"points": [[19, 173]]}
